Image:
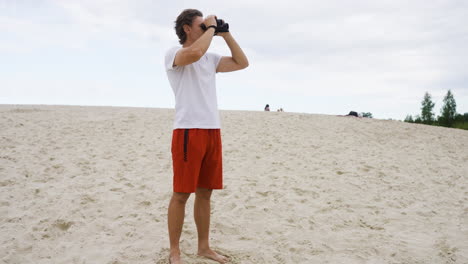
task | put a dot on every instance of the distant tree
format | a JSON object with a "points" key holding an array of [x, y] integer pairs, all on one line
{"points": [[368, 114], [427, 116], [440, 120], [409, 119], [417, 119], [448, 111], [465, 117], [459, 118]]}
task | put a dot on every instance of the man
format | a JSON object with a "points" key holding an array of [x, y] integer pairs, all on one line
{"points": [[196, 138]]}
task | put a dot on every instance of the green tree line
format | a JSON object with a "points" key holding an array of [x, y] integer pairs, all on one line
{"points": [[448, 113]]}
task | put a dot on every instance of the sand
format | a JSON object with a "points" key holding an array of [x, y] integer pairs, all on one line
{"points": [[92, 185]]}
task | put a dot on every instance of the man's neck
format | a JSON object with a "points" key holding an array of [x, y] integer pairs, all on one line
{"points": [[187, 43]]}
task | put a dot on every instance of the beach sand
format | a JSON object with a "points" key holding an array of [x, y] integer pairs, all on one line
{"points": [[92, 185]]}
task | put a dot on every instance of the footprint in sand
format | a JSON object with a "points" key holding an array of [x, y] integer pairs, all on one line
{"points": [[446, 252], [62, 224]]}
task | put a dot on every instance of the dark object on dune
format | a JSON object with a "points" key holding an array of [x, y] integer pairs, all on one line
{"points": [[352, 113]]}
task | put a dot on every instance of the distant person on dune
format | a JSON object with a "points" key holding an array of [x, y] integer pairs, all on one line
{"points": [[196, 138], [267, 108]]}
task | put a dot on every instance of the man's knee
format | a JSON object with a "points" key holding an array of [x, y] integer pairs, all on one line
{"points": [[203, 193], [180, 198]]}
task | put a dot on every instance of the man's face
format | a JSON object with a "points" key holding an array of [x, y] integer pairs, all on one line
{"points": [[195, 30]]}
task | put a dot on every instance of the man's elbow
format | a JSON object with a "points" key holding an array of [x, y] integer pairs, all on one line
{"points": [[195, 54], [244, 65]]}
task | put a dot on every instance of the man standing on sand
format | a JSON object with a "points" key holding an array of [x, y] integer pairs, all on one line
{"points": [[196, 138]]}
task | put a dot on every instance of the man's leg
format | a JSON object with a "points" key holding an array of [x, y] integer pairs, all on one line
{"points": [[202, 211], [175, 221]]}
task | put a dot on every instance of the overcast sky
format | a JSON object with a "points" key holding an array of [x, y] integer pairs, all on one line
{"points": [[327, 57]]}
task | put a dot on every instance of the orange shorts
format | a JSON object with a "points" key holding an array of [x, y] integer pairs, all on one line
{"points": [[196, 159]]}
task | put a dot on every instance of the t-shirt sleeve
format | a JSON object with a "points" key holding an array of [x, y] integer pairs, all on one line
{"points": [[169, 59], [215, 59]]}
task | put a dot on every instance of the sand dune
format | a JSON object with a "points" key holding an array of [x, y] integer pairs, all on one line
{"points": [[92, 185]]}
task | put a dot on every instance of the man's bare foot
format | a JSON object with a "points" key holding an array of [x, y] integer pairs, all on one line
{"points": [[213, 255], [174, 258]]}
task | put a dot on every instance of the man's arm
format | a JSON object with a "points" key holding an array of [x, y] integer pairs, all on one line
{"points": [[237, 61], [194, 52]]}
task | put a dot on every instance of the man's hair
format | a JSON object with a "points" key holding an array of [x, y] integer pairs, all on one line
{"points": [[185, 18]]}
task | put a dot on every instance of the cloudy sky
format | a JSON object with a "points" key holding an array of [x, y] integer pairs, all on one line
{"points": [[326, 57]]}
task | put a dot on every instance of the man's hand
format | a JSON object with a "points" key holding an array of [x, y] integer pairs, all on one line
{"points": [[210, 21]]}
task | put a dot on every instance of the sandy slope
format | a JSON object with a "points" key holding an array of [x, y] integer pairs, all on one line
{"points": [[92, 185]]}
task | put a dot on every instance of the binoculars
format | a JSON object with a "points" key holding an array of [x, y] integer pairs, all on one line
{"points": [[221, 26]]}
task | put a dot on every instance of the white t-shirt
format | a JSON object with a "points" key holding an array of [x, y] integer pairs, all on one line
{"points": [[194, 87]]}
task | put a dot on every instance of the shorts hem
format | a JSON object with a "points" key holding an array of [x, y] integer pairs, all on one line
{"points": [[185, 191]]}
